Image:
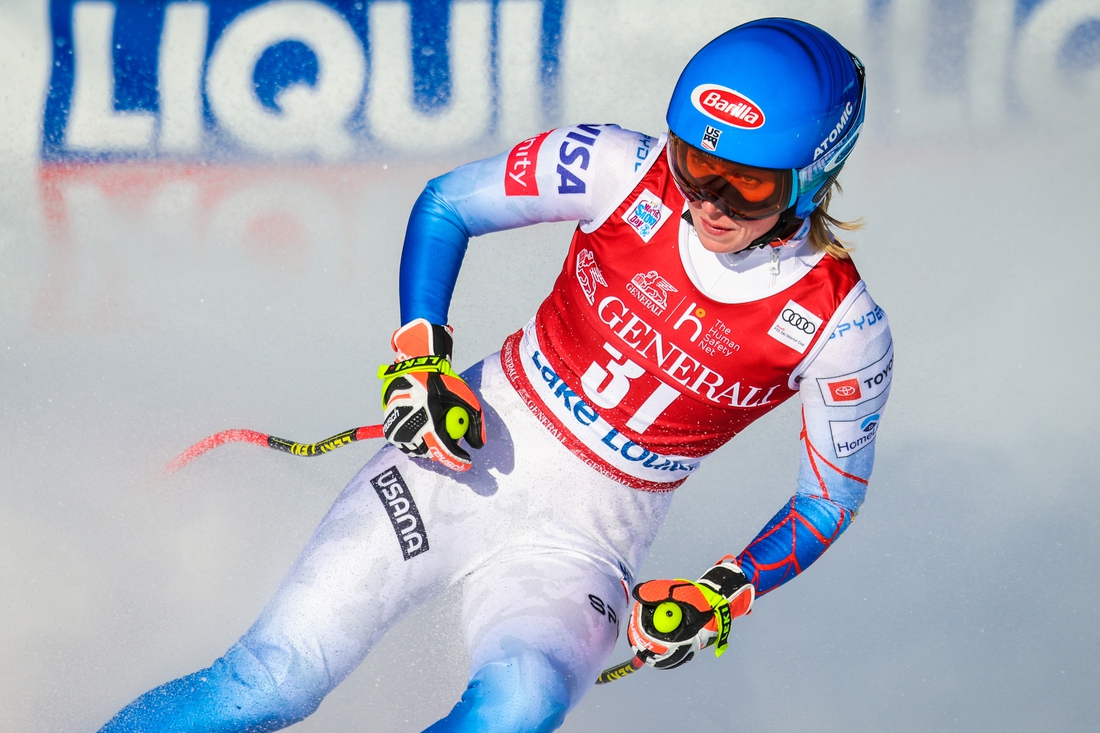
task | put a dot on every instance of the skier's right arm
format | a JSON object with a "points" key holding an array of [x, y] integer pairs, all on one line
{"points": [[567, 174], [572, 173]]}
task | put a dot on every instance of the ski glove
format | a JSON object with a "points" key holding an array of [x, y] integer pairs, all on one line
{"points": [[428, 407], [673, 619]]}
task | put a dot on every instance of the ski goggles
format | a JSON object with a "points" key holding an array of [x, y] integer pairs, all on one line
{"points": [[738, 191]]}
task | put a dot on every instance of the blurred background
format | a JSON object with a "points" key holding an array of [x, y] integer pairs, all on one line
{"points": [[201, 212]]}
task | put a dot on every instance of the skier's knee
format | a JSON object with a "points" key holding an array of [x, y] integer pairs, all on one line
{"points": [[521, 693], [272, 682], [245, 690]]}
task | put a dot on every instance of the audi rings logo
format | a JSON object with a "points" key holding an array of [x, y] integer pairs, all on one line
{"points": [[800, 322], [795, 326], [845, 391]]}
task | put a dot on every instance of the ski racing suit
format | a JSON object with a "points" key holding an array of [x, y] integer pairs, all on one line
{"points": [[649, 354]]}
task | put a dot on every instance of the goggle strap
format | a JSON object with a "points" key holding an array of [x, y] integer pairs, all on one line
{"points": [[824, 190]]}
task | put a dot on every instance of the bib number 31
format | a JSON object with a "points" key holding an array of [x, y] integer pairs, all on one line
{"points": [[610, 395]]}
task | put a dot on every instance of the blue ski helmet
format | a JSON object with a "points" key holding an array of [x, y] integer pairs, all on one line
{"points": [[777, 94]]}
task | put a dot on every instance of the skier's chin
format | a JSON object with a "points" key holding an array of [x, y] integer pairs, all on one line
{"points": [[726, 242], [721, 234]]}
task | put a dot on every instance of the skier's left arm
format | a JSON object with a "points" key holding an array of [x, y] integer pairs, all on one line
{"points": [[843, 392]]}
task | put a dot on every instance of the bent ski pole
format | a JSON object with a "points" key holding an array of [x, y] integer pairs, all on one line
{"points": [[620, 670], [270, 441]]}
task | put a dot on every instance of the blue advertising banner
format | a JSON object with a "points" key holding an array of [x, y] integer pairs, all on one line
{"points": [[250, 133], [334, 80]]}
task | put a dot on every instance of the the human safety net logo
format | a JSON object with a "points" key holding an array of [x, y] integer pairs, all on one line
{"points": [[325, 80]]}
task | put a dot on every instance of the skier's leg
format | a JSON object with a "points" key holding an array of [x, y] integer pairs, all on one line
{"points": [[521, 691], [541, 616], [541, 628], [388, 544], [236, 693]]}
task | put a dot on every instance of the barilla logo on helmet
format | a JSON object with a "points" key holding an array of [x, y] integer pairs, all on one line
{"points": [[727, 106]]}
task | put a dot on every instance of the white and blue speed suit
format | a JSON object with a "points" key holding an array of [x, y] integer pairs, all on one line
{"points": [[545, 547]]}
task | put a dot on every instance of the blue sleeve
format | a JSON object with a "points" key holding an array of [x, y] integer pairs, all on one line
{"points": [[827, 501], [435, 243], [567, 174]]}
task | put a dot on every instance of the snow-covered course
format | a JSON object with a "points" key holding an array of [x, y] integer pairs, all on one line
{"points": [[200, 274]]}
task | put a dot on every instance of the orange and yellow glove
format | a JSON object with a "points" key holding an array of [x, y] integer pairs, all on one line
{"points": [[673, 619], [428, 407]]}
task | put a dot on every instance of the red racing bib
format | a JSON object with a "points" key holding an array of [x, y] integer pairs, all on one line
{"points": [[638, 371]]}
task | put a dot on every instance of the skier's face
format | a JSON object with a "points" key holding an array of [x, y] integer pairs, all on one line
{"points": [[723, 235]]}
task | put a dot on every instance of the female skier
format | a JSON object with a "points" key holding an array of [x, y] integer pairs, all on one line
{"points": [[703, 288]]}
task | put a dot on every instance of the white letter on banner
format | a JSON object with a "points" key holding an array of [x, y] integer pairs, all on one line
{"points": [[311, 119], [1042, 84], [94, 124], [518, 60], [179, 76], [394, 120]]}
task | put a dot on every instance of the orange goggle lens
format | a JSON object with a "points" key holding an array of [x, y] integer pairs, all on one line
{"points": [[739, 191]]}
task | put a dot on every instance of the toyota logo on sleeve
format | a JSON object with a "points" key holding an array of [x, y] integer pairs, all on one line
{"points": [[797, 320], [857, 387], [846, 390]]}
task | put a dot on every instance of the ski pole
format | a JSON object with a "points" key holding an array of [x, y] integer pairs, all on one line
{"points": [[620, 670], [365, 432]]}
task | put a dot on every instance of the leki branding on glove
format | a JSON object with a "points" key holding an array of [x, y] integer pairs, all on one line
{"points": [[428, 406]]}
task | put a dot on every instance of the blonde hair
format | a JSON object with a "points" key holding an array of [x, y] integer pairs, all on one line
{"points": [[821, 236]]}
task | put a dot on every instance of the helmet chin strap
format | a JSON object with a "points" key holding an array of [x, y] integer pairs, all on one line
{"points": [[785, 227]]}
